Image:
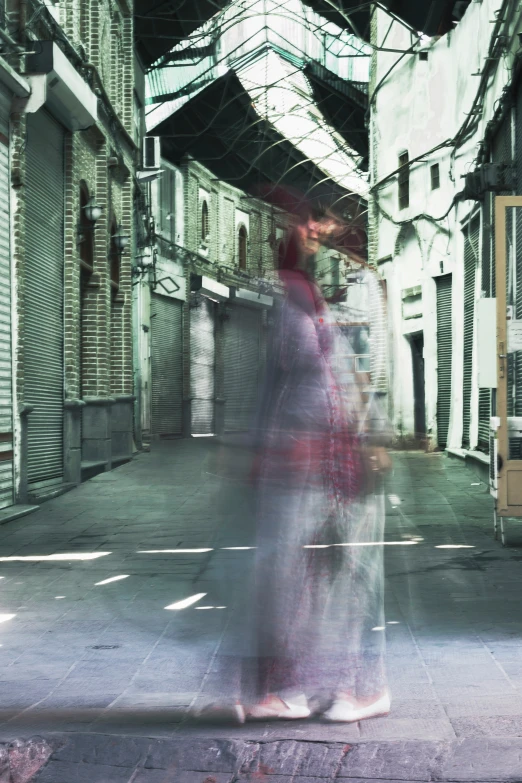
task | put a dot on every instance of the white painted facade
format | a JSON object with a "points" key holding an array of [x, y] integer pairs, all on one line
{"points": [[418, 105]]}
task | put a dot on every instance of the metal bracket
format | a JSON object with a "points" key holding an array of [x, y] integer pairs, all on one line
{"points": [[163, 280]]}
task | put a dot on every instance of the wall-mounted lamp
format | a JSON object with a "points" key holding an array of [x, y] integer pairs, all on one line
{"points": [[92, 210], [120, 239], [144, 259]]}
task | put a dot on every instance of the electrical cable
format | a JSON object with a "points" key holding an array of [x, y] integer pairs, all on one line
{"points": [[463, 134]]}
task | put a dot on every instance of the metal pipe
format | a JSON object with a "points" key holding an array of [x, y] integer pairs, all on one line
{"points": [[8, 40]]}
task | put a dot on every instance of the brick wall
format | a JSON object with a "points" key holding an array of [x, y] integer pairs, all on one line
{"points": [[223, 202], [97, 341], [80, 167]]}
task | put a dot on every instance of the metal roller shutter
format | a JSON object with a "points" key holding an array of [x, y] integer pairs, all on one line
{"points": [[43, 299], [241, 366], [487, 286], [444, 357], [166, 365], [6, 379], [484, 419], [202, 361], [471, 244], [518, 254]]}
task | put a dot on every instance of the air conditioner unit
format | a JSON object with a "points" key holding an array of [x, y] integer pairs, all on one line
{"points": [[151, 152], [488, 177]]}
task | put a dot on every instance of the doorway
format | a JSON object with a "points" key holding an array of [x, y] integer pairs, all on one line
{"points": [[419, 396]]}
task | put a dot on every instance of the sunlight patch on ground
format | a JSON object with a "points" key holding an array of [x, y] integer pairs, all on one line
{"points": [[186, 602]]}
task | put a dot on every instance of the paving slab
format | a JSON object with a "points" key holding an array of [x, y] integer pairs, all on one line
{"points": [[99, 759], [85, 659]]}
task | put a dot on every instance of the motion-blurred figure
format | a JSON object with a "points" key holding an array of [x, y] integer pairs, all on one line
{"points": [[318, 605]]}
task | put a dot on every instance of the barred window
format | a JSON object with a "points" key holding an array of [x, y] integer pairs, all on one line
{"points": [[435, 176], [404, 181]]}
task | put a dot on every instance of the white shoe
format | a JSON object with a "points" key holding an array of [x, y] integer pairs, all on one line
{"points": [[290, 710], [345, 711]]}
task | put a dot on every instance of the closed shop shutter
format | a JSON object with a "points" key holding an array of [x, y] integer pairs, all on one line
{"points": [[6, 380], [241, 367], [202, 361], [444, 357], [515, 360], [166, 365], [43, 299], [471, 245], [484, 418]]}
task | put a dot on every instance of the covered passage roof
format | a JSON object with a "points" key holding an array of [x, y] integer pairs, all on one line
{"points": [[161, 24], [431, 17], [220, 128], [344, 105], [304, 76]]}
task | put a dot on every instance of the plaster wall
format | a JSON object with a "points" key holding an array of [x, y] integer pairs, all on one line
{"points": [[419, 106]]}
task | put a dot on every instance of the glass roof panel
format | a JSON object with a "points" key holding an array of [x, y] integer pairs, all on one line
{"points": [[267, 43]]}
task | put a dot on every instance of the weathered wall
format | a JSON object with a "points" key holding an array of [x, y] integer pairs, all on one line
{"points": [[98, 328], [419, 105]]}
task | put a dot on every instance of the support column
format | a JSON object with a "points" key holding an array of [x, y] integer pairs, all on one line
{"points": [[72, 441], [96, 444]]}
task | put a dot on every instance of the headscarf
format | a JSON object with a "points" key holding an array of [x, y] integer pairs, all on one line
{"points": [[300, 287]]}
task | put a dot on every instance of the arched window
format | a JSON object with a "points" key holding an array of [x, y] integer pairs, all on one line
{"points": [[204, 221], [114, 262], [242, 242], [87, 294], [85, 238]]}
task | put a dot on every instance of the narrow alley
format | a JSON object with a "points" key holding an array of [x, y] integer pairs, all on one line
{"points": [[260, 391], [90, 652]]}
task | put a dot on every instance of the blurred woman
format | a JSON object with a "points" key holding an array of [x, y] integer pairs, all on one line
{"points": [[318, 606]]}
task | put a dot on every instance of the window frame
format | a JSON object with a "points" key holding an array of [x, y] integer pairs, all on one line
{"points": [[435, 176], [114, 261], [86, 232], [242, 247], [404, 180], [204, 222]]}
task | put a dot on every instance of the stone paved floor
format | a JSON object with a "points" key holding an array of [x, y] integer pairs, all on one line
{"points": [[108, 659]]}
